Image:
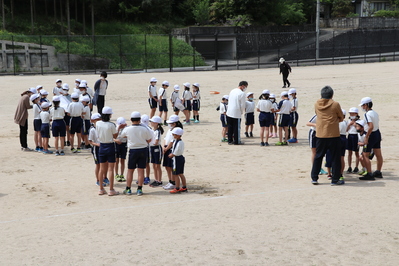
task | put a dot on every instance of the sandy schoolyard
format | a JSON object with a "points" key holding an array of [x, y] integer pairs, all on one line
{"points": [[247, 205]]}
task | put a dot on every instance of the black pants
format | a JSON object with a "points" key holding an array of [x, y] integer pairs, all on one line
{"points": [[285, 79], [23, 135], [233, 133], [322, 145], [100, 103]]}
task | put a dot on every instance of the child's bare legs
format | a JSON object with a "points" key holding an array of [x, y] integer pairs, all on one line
{"points": [[56, 143], [275, 130], [140, 171], [122, 163], [266, 134], [357, 158], [366, 161], [147, 170], [378, 156], [329, 171], [45, 143], [169, 172], [342, 164], [183, 180], [62, 143], [38, 139], [280, 134], [116, 166], [110, 169], [187, 113], [294, 132], [72, 140], [68, 135], [262, 134], [157, 172], [79, 140], [224, 132], [152, 113], [129, 178], [97, 172], [350, 158], [102, 174], [285, 133], [251, 128]]}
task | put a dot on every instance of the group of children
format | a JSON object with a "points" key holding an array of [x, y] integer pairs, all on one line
{"points": [[361, 137], [186, 102], [283, 115]]}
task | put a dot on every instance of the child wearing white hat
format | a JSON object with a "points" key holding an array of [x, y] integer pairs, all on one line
{"points": [[352, 141], [58, 88], [45, 128], [196, 102], [223, 118], [178, 161], [265, 107], [76, 112], [360, 126], [176, 101], [186, 101], [145, 121], [284, 109], [85, 100], [58, 127], [37, 122], [121, 151], [44, 94], [343, 127], [293, 115], [273, 125], [249, 114], [153, 97], [156, 150], [162, 102]]}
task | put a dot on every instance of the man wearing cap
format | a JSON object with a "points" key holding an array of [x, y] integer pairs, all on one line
{"points": [[285, 69], [236, 108], [100, 90], [329, 114], [153, 97]]}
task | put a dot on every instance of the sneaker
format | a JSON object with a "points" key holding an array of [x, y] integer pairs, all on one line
{"points": [[349, 171], [274, 135], [262, 144], [289, 84], [377, 174], [283, 87], [315, 182], [102, 192], [186, 123], [293, 140], [78, 150], [117, 178], [183, 190], [322, 172], [329, 177], [37, 149], [338, 183], [174, 191], [342, 179], [279, 143], [73, 150], [251, 135], [47, 152], [26, 149], [365, 173], [246, 134], [122, 178], [156, 184], [196, 121], [127, 192], [285, 143], [88, 147], [146, 180], [62, 153], [270, 135], [267, 144], [68, 143], [139, 192], [106, 181], [169, 186], [367, 177], [355, 170], [57, 153], [192, 119], [362, 171], [41, 149], [98, 184]]}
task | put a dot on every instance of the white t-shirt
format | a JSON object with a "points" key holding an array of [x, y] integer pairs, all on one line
{"points": [[342, 127], [223, 108], [265, 106], [57, 114], [75, 109], [162, 92], [87, 114], [36, 111], [313, 120], [196, 95], [152, 90], [294, 103], [285, 107], [156, 136], [93, 136], [177, 147], [57, 91], [168, 137], [105, 131], [45, 117], [352, 128], [361, 137], [187, 95], [103, 87], [137, 136], [249, 107], [237, 101], [174, 96], [371, 116]]}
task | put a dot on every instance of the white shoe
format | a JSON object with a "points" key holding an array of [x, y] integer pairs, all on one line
{"points": [[26, 149], [169, 186]]}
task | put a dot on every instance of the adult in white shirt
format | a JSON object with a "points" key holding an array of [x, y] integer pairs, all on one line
{"points": [[236, 109], [100, 89]]}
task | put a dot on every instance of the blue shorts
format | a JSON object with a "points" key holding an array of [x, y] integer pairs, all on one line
{"points": [[153, 104], [164, 106], [37, 124], [343, 145], [85, 127], [265, 119], [223, 119], [75, 125], [312, 139], [178, 165], [95, 152], [273, 123], [196, 105], [249, 119], [67, 120], [138, 158], [374, 141], [121, 150], [284, 120], [293, 119], [156, 154], [58, 128], [167, 162], [187, 105], [106, 153], [45, 130], [351, 144]]}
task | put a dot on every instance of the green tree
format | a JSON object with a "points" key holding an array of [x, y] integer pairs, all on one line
{"points": [[341, 8], [201, 12]]}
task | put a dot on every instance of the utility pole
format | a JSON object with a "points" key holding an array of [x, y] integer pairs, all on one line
{"points": [[317, 28]]}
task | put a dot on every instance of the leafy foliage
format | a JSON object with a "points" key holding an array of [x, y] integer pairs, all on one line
{"points": [[387, 13]]}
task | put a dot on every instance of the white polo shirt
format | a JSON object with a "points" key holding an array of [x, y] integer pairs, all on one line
{"points": [[237, 101], [342, 127], [223, 108], [137, 136], [45, 117], [285, 107], [57, 114], [177, 148], [57, 91], [156, 136], [168, 137], [371, 116], [295, 104], [36, 111], [105, 131], [152, 90], [249, 107], [352, 128], [75, 109], [175, 95], [162, 92], [87, 114], [196, 95], [187, 95], [265, 106], [93, 136]]}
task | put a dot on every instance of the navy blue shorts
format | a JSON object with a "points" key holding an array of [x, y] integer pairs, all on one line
{"points": [[106, 153], [164, 106], [284, 120], [187, 105], [265, 119], [95, 152], [273, 123], [137, 158], [58, 128], [178, 165], [67, 119], [196, 105], [312, 138], [293, 119], [343, 145], [121, 150], [351, 144], [37, 124], [76, 124], [153, 104], [249, 119], [374, 141], [86, 127], [156, 154], [167, 162], [45, 130], [223, 119]]}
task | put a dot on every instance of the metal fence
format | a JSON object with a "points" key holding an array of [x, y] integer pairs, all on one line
{"points": [[188, 52]]}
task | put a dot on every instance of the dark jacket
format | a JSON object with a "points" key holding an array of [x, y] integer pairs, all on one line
{"points": [[285, 68]]}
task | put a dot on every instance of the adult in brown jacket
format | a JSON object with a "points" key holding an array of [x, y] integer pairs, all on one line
{"points": [[21, 118], [329, 114]]}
